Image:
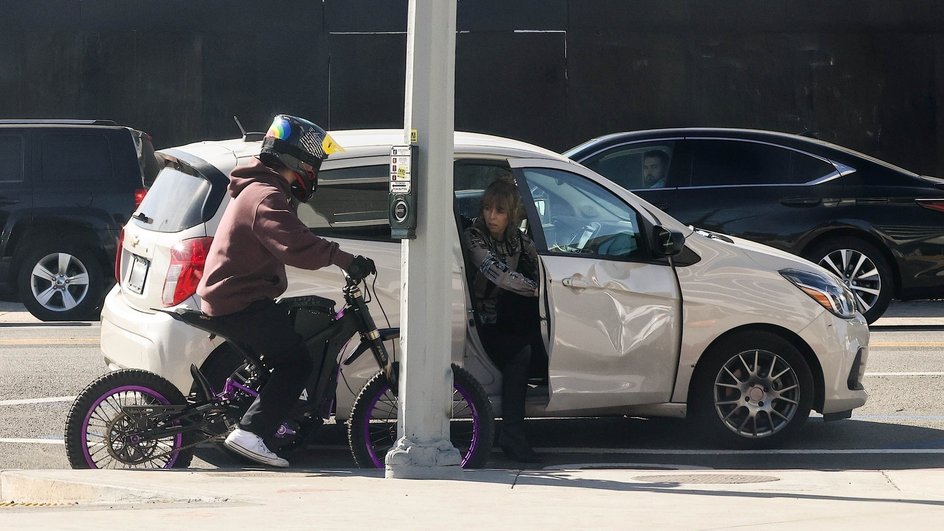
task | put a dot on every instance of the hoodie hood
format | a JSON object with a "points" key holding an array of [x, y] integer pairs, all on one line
{"points": [[255, 171]]}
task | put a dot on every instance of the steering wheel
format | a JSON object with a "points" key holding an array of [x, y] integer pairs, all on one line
{"points": [[580, 238]]}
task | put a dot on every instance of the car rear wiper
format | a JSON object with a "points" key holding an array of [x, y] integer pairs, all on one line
{"points": [[141, 217]]}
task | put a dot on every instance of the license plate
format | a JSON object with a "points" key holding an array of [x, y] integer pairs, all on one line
{"points": [[138, 274]]}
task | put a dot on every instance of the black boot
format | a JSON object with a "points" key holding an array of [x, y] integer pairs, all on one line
{"points": [[514, 391], [515, 445]]}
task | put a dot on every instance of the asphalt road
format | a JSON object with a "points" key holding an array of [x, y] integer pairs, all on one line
{"points": [[44, 365]]}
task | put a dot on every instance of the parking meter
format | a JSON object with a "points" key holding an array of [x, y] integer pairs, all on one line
{"points": [[402, 196]]}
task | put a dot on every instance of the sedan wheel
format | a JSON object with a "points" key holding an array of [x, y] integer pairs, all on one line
{"points": [[863, 269], [752, 390]]}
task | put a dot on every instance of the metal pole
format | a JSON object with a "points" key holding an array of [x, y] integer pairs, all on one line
{"points": [[423, 448]]}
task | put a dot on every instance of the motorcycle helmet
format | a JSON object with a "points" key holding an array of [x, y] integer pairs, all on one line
{"points": [[299, 145]]}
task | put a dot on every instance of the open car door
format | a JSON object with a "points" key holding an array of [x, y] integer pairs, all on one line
{"points": [[611, 311]]}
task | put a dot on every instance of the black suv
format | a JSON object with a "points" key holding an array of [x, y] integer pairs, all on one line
{"points": [[66, 189]]}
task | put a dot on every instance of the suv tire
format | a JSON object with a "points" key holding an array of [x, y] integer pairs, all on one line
{"points": [[60, 282]]}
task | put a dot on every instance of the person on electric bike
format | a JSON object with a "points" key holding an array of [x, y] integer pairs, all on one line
{"points": [[260, 233]]}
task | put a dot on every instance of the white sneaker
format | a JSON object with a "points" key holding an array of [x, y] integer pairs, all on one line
{"points": [[251, 446]]}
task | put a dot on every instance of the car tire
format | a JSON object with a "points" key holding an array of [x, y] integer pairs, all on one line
{"points": [[751, 390], [863, 268], [61, 282]]}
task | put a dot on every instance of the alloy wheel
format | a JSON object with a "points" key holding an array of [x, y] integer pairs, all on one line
{"points": [[59, 282], [858, 272], [756, 393]]}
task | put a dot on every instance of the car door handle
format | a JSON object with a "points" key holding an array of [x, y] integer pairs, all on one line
{"points": [[800, 201], [575, 283]]}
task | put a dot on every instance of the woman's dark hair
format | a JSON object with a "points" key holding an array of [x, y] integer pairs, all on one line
{"points": [[503, 193]]}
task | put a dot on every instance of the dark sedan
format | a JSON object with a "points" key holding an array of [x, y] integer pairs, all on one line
{"points": [[877, 226]]}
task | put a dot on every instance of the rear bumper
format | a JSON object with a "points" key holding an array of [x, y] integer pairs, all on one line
{"points": [[152, 341]]}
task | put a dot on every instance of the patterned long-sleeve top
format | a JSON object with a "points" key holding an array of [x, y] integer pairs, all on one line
{"points": [[510, 264]]}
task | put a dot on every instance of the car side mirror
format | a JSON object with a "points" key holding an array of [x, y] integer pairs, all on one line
{"points": [[666, 242]]}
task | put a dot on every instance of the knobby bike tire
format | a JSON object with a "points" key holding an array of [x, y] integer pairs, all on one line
{"points": [[98, 434], [372, 428]]}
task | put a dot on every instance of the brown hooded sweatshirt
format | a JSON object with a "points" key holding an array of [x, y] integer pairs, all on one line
{"points": [[259, 235]]}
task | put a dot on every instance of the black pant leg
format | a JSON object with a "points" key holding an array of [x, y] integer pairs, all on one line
{"points": [[267, 329], [511, 352]]}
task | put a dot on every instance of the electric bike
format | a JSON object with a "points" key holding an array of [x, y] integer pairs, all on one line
{"points": [[132, 418]]}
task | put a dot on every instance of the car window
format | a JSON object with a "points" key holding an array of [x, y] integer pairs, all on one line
{"points": [[581, 217], [471, 178], [807, 169], [350, 203], [11, 159], [740, 163], [175, 201], [70, 158], [636, 166]]}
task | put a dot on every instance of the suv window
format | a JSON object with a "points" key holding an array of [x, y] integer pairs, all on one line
{"points": [[350, 203], [11, 159], [175, 201], [76, 157]]}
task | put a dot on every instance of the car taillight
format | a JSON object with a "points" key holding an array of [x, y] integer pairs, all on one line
{"points": [[139, 194], [931, 204], [121, 246], [187, 259]]}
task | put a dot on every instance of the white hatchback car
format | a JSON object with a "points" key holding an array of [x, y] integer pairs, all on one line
{"points": [[744, 338]]}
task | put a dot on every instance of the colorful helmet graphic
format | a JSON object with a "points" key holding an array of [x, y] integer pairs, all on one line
{"points": [[292, 141]]}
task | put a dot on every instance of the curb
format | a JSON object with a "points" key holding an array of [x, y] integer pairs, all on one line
{"points": [[29, 488]]}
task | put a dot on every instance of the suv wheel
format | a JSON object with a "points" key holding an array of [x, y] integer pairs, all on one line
{"points": [[57, 282]]}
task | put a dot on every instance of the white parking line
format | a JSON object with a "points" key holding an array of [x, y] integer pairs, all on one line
{"points": [[645, 466], [36, 400], [657, 451], [31, 441], [904, 374]]}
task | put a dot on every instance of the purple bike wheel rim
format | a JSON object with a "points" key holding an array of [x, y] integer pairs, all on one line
{"points": [[378, 462], [125, 389]]}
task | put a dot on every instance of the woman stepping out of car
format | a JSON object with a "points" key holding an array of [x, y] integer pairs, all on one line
{"points": [[504, 294]]}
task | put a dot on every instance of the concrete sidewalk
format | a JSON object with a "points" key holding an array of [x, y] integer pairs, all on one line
{"points": [[483, 499]]}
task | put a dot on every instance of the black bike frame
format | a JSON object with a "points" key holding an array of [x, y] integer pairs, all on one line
{"points": [[324, 345]]}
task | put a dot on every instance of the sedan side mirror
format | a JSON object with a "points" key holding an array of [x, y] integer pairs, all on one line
{"points": [[666, 242]]}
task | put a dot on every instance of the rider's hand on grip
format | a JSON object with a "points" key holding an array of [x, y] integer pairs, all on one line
{"points": [[360, 267]]}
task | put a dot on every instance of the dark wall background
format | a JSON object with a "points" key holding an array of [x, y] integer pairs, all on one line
{"points": [[868, 74]]}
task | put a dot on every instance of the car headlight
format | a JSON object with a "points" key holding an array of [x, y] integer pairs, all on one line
{"points": [[827, 291]]}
